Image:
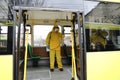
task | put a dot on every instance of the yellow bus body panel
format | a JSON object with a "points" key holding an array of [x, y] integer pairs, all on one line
{"points": [[6, 67], [103, 65]]}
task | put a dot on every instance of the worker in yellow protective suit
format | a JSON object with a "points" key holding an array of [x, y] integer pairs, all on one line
{"points": [[99, 37], [53, 41]]}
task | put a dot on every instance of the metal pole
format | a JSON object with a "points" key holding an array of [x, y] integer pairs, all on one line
{"points": [[81, 47], [84, 43], [18, 39], [19, 29], [15, 75]]}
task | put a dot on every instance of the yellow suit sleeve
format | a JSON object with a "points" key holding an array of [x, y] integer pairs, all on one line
{"points": [[48, 39]]}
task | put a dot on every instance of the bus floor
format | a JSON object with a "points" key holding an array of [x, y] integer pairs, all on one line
{"points": [[44, 73]]}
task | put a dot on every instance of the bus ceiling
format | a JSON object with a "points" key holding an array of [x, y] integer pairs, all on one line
{"points": [[47, 16]]}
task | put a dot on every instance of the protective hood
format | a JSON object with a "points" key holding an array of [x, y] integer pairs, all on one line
{"points": [[55, 27]]}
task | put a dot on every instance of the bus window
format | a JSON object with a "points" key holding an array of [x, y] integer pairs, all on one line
{"points": [[3, 35], [67, 39], [3, 38], [40, 34], [102, 24]]}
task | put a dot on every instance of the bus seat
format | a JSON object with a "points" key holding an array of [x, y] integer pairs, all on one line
{"points": [[35, 59]]}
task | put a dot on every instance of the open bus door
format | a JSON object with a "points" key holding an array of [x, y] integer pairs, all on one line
{"points": [[74, 17]]}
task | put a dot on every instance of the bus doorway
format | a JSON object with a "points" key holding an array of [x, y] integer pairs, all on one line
{"points": [[64, 17]]}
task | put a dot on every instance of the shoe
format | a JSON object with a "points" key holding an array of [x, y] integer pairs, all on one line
{"points": [[61, 69], [51, 70]]}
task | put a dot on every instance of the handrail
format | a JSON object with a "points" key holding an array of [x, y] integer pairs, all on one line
{"points": [[25, 58], [74, 74]]}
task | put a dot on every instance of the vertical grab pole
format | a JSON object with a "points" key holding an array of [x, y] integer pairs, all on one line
{"points": [[74, 74], [25, 58], [14, 49], [17, 55], [72, 55], [82, 44]]}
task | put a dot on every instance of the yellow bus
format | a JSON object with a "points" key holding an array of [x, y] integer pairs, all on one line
{"points": [[91, 45]]}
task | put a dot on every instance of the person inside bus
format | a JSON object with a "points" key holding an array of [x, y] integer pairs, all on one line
{"points": [[53, 41], [98, 39]]}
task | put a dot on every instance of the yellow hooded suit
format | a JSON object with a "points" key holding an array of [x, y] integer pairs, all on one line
{"points": [[53, 40]]}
